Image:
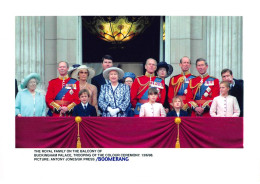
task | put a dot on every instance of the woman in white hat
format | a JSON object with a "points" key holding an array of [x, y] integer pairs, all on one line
{"points": [[85, 74], [29, 102], [114, 97]]}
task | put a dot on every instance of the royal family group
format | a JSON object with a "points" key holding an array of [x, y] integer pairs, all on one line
{"points": [[115, 93]]}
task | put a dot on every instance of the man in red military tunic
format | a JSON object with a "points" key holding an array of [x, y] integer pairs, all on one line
{"points": [[139, 89], [62, 93], [178, 84], [202, 90]]}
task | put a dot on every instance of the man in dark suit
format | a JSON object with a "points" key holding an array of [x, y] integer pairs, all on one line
{"points": [[84, 108], [98, 80], [236, 87], [16, 88]]}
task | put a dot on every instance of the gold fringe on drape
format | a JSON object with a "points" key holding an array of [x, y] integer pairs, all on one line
{"points": [[78, 119]]}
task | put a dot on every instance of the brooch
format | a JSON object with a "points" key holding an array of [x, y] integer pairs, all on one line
{"points": [[71, 92]]}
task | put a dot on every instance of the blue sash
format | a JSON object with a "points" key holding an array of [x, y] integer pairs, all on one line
{"points": [[144, 97], [202, 89], [181, 89], [61, 93]]}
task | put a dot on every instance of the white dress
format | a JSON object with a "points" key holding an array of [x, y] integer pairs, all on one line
{"points": [[224, 107], [152, 110]]}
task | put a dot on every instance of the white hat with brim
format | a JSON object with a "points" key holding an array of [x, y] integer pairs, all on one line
{"points": [[91, 72], [73, 68], [28, 78], [118, 70]]}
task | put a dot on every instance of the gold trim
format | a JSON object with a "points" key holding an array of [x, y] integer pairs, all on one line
{"points": [[193, 104], [55, 105], [78, 119], [149, 74], [198, 85], [178, 83], [70, 106], [172, 80], [177, 120], [138, 80], [185, 73], [64, 78], [185, 107], [143, 85], [206, 104], [204, 75]]}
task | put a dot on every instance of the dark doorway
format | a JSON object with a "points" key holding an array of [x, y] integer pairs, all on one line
{"points": [[144, 46]]}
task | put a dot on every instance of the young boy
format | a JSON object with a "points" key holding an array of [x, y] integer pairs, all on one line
{"points": [[84, 108], [177, 105], [151, 108]]}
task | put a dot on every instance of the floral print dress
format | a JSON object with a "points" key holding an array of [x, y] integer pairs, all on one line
{"points": [[118, 98]]}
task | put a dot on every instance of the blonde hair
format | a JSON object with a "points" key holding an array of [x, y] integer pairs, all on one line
{"points": [[177, 98], [225, 83]]}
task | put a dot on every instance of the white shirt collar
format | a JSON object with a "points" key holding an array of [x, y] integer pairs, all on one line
{"points": [[84, 104]]}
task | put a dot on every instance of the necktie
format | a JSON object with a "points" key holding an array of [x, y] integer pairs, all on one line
{"points": [[85, 107]]}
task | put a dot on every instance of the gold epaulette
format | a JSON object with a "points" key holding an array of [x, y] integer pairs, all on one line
{"points": [[55, 105], [70, 106]]}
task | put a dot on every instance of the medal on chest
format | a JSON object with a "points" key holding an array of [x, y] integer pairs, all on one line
{"points": [[156, 85], [209, 83], [71, 86]]}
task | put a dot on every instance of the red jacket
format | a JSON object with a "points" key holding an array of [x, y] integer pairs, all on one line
{"points": [[141, 85], [70, 99], [178, 87], [201, 91]]}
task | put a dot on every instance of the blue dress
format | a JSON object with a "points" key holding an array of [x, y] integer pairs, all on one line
{"points": [[119, 98], [26, 106]]}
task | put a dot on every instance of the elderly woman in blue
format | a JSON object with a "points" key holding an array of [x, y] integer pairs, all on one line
{"points": [[28, 102], [114, 97]]}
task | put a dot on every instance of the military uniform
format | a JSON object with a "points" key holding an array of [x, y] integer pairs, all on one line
{"points": [[201, 91], [140, 87], [62, 91], [178, 87]]}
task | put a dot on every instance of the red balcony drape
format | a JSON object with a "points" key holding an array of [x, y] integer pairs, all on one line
{"points": [[98, 132]]}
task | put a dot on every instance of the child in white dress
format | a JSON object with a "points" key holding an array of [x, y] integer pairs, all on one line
{"points": [[152, 108], [224, 105]]}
